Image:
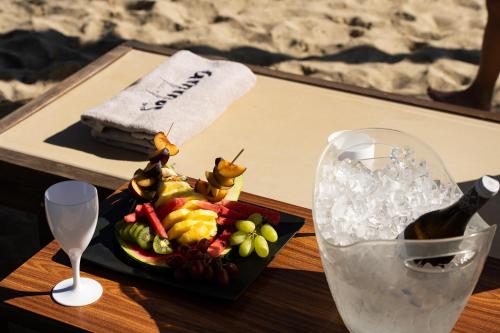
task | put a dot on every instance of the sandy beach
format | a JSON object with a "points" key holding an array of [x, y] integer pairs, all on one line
{"points": [[400, 46]]}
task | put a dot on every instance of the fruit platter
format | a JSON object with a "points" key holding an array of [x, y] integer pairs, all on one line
{"points": [[193, 235]]}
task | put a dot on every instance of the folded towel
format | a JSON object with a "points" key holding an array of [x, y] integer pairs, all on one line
{"points": [[187, 90]]}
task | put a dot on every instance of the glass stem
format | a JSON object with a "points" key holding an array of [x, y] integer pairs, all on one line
{"points": [[75, 265]]}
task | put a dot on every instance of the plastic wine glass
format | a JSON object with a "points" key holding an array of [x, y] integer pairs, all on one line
{"points": [[72, 208]]}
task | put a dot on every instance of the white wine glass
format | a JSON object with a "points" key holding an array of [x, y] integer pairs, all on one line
{"points": [[72, 208]]}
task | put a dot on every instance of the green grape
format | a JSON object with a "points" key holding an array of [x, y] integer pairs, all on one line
{"points": [[238, 237], [245, 225], [261, 246], [269, 233], [256, 218], [246, 248]]}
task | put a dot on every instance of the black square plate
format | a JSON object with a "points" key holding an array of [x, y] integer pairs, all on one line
{"points": [[104, 251]]}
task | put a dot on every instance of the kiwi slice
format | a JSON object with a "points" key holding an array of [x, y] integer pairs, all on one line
{"points": [[132, 230], [162, 245], [135, 233], [145, 238], [125, 232]]}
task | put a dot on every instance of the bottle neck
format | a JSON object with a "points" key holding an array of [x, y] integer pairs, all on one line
{"points": [[470, 202]]}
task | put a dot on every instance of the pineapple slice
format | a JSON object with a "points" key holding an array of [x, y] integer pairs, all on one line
{"points": [[202, 229], [181, 227], [202, 215], [174, 217]]}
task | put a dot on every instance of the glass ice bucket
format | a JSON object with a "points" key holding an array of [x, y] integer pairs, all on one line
{"points": [[376, 284]]}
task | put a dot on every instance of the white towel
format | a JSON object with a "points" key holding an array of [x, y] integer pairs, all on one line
{"points": [[187, 90]]}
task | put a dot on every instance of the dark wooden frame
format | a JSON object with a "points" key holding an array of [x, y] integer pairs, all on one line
{"points": [[101, 63]]}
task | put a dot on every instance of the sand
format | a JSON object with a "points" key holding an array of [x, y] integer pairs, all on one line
{"points": [[400, 46]]}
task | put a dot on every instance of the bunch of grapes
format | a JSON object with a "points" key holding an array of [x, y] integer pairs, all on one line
{"points": [[253, 235], [196, 264]]}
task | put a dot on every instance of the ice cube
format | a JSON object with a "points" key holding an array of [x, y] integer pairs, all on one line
{"points": [[356, 203]]}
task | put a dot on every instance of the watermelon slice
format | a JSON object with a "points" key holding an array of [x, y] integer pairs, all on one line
{"points": [[169, 206], [225, 221], [130, 218], [237, 208], [143, 256], [232, 213], [218, 247], [154, 221], [208, 206], [139, 210]]}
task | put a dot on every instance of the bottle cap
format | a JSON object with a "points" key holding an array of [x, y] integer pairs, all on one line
{"points": [[487, 187]]}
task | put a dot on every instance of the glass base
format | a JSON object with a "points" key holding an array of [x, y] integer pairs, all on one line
{"points": [[87, 292]]}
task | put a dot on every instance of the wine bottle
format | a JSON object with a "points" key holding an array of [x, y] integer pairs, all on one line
{"points": [[451, 221]]}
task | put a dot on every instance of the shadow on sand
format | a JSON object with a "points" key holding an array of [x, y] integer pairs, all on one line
{"points": [[31, 56]]}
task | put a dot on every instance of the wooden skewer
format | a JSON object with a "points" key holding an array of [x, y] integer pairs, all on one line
{"points": [[168, 132], [234, 159]]}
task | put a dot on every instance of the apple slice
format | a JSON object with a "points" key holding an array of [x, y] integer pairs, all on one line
{"points": [[211, 193], [161, 155], [224, 181], [140, 193], [146, 182], [143, 180], [214, 183], [201, 187], [161, 141], [215, 195], [228, 169]]}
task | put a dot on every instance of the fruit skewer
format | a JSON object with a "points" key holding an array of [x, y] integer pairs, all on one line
{"points": [[221, 179], [237, 155], [144, 184]]}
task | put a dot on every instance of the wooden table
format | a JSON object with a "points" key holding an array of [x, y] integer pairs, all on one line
{"points": [[292, 293]]}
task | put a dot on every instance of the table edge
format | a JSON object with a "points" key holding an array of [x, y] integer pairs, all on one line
{"points": [[368, 92]]}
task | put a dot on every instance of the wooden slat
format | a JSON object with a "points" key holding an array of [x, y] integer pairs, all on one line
{"points": [[290, 295], [60, 169], [482, 313]]}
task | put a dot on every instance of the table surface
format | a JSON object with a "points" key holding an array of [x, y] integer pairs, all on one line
{"points": [[283, 126], [291, 295]]}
